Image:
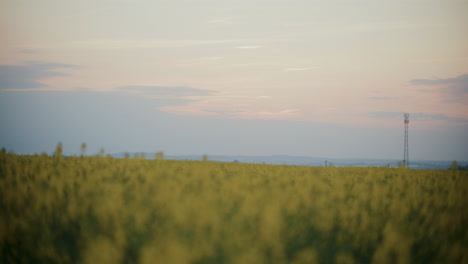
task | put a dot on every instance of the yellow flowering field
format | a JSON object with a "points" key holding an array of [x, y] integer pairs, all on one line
{"points": [[105, 210]]}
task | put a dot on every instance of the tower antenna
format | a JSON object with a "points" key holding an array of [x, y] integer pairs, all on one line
{"points": [[406, 153]]}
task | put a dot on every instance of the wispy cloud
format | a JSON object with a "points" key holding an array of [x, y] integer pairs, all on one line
{"points": [[161, 91], [164, 96], [418, 117], [212, 58], [300, 69], [223, 112], [380, 98], [27, 51], [248, 47], [459, 80], [274, 115], [222, 21], [234, 107], [112, 44], [456, 85], [30, 75], [384, 26], [126, 44]]}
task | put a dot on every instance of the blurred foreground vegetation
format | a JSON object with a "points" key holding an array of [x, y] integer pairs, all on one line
{"points": [[104, 210]]}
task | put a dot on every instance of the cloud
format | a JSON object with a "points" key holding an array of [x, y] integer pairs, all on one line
{"points": [[456, 86], [30, 75], [380, 98], [223, 112], [279, 115], [161, 91], [117, 44], [27, 51], [163, 96], [300, 69], [462, 79], [123, 44], [418, 117], [222, 21], [384, 26], [212, 58], [248, 47]]}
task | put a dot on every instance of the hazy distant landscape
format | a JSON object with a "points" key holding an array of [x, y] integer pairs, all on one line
{"points": [[307, 161]]}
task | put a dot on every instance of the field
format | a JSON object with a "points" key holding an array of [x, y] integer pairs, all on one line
{"points": [[104, 210]]}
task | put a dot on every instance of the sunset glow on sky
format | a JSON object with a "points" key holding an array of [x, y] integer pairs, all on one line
{"points": [[316, 78]]}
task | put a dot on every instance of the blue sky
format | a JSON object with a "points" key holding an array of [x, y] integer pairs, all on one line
{"points": [[315, 78]]}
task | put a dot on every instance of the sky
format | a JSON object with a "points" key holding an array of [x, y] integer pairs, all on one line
{"points": [[319, 78]]}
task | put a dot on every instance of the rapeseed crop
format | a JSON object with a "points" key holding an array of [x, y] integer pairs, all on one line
{"points": [[105, 210]]}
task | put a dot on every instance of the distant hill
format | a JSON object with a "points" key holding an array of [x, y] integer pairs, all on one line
{"points": [[307, 161]]}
